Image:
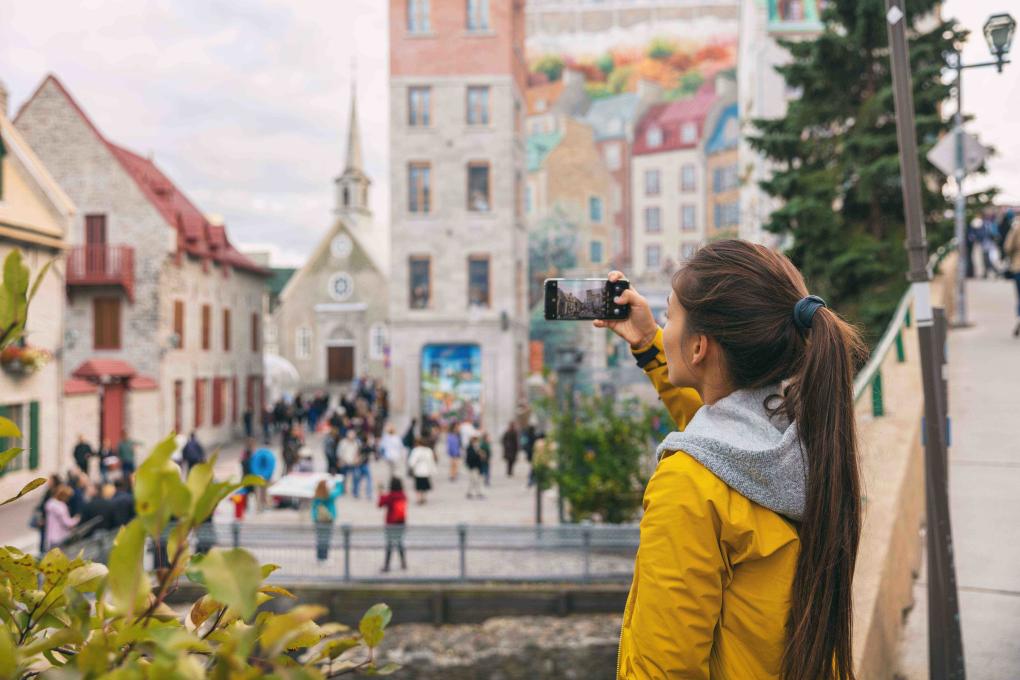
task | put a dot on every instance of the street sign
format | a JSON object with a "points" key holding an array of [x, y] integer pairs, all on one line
{"points": [[943, 154]]}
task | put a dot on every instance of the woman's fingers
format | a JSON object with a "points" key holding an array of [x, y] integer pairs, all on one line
{"points": [[629, 297], [616, 276]]}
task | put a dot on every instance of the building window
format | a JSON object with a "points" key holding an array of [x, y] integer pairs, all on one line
{"points": [[226, 330], [418, 16], [528, 200], [377, 342], [478, 281], [596, 252], [688, 133], [340, 286], [595, 209], [206, 326], [617, 198], [688, 221], [653, 137], [653, 221], [420, 281], [303, 343], [255, 323], [688, 180], [106, 323], [199, 401], [418, 199], [478, 186], [478, 15], [16, 414], [419, 106], [687, 250], [653, 256], [218, 400], [179, 323], [478, 105], [651, 182], [727, 215], [612, 156], [233, 399]]}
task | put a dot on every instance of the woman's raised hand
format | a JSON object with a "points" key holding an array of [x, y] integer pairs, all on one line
{"points": [[639, 328]]}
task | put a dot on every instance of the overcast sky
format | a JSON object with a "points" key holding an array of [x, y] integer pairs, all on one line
{"points": [[245, 105]]}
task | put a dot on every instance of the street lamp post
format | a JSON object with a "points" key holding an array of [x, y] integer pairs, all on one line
{"points": [[998, 32]]}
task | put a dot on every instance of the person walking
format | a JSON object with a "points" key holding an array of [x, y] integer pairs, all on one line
{"points": [[528, 438], [59, 521], [248, 418], [349, 452], [1012, 249], [363, 468], [99, 511], [329, 446], [263, 464], [473, 461], [422, 463], [82, 453], [511, 440], [126, 454], [108, 460], [324, 515], [393, 451], [193, 453], [760, 478], [395, 503], [453, 450], [485, 448]]}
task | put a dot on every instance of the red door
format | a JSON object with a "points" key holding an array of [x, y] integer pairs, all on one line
{"points": [[112, 418], [95, 240]]}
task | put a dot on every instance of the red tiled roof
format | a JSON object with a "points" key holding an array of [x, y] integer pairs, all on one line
{"points": [[97, 368], [198, 237], [670, 117], [142, 382], [74, 386]]}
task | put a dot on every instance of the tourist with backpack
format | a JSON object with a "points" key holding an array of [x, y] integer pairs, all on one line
{"points": [[324, 515]]}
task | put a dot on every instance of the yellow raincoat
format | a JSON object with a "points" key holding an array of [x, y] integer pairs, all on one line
{"points": [[713, 572]]}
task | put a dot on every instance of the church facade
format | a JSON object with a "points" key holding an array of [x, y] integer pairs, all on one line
{"points": [[331, 320]]}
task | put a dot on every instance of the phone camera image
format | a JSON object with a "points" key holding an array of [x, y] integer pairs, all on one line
{"points": [[580, 299]]}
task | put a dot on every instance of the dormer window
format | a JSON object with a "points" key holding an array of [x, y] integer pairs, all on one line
{"points": [[688, 133], [653, 137]]}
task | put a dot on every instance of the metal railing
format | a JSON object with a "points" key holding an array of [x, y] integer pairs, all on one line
{"points": [[587, 553], [95, 265], [871, 374]]}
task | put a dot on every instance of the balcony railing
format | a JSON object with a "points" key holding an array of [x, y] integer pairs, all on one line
{"points": [[102, 265]]}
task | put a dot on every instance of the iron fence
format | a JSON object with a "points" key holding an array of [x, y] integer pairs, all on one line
{"points": [[586, 553]]}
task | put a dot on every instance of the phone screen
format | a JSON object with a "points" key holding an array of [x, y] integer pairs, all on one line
{"points": [[580, 299]]}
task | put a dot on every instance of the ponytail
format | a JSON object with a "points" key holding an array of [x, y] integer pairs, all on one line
{"points": [[743, 296], [820, 623]]}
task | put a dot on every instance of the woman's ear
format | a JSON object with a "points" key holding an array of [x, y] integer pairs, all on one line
{"points": [[699, 350]]}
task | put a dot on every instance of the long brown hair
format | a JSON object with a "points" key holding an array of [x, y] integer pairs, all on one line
{"points": [[742, 295]]}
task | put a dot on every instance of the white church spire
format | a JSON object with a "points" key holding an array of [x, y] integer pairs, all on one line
{"points": [[352, 186]]}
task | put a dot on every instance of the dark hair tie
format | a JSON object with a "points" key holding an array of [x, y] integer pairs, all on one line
{"points": [[804, 311]]}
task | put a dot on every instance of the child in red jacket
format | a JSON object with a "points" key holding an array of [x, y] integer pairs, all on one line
{"points": [[395, 503]]}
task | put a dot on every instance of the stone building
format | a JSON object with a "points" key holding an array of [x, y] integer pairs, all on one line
{"points": [[163, 312], [722, 185], [330, 320], [458, 323], [35, 216], [667, 182]]}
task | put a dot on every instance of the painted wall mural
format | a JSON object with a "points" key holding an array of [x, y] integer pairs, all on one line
{"points": [[451, 382]]}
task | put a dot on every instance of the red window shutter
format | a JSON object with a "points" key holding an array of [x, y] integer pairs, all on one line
{"points": [[226, 330], [106, 323], [179, 322], [199, 401], [233, 399], [254, 332], [206, 323]]}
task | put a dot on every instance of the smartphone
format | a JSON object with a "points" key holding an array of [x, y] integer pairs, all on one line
{"points": [[576, 299]]}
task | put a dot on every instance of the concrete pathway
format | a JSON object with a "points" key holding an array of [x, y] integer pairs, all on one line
{"points": [[984, 491]]}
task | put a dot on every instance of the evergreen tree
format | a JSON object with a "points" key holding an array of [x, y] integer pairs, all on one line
{"points": [[835, 157]]}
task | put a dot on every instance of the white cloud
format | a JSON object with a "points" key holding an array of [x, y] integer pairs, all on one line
{"points": [[244, 106]]}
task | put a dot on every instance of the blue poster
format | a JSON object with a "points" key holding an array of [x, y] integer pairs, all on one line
{"points": [[451, 382]]}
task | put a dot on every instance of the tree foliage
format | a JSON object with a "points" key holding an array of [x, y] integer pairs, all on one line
{"points": [[835, 156], [62, 616]]}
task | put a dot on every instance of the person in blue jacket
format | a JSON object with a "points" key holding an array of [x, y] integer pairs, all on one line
{"points": [[324, 515], [263, 464]]}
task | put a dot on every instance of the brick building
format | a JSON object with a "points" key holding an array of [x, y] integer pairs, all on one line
{"points": [[722, 185], [163, 312], [458, 323]]}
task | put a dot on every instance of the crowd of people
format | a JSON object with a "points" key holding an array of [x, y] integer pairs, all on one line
{"points": [[78, 505]]}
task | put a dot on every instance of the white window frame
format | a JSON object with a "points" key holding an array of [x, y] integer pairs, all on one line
{"points": [[653, 137], [419, 18], [613, 156], [478, 15], [688, 133], [658, 256], [649, 211], [303, 342], [378, 339], [20, 462], [688, 210], [688, 177], [653, 182]]}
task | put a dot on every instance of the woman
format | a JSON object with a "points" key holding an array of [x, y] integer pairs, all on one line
{"points": [[395, 503], [59, 521], [422, 463], [752, 517], [1012, 249], [324, 514], [473, 461]]}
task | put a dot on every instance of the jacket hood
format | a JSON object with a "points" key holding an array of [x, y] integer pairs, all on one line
{"points": [[756, 454]]}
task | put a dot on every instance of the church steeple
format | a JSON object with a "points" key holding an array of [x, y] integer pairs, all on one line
{"points": [[352, 186]]}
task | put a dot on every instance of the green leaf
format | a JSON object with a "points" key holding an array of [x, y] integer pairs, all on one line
{"points": [[9, 429], [159, 491], [334, 648], [15, 274], [34, 484], [8, 655], [128, 584], [9, 455], [281, 629], [38, 280], [373, 623], [21, 568], [55, 639], [87, 578], [54, 567], [268, 569], [386, 669], [250, 480], [231, 576]]}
